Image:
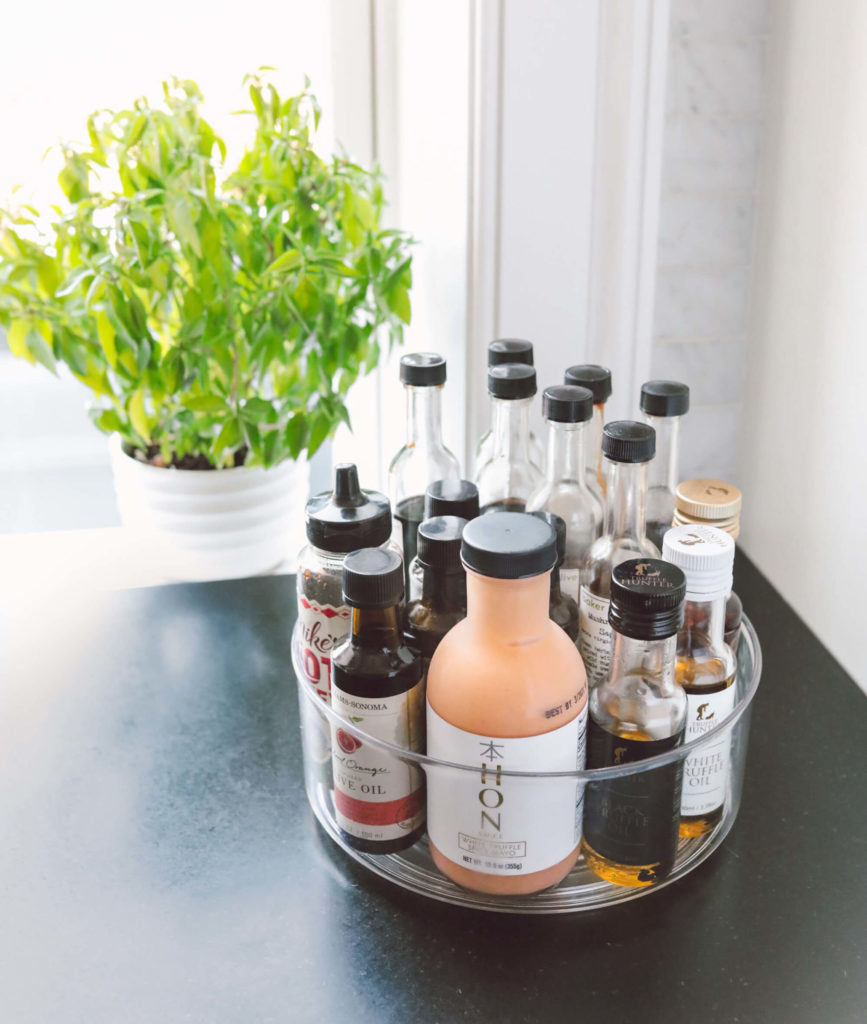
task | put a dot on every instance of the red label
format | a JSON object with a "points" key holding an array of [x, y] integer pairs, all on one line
{"points": [[390, 812]]}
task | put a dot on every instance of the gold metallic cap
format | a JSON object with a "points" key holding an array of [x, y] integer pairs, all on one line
{"points": [[730, 525], [708, 500]]}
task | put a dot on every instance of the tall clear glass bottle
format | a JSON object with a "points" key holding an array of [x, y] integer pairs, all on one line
{"points": [[424, 458], [664, 403], [628, 447], [715, 503], [508, 350], [631, 823], [597, 380], [568, 411], [509, 477], [705, 668]]}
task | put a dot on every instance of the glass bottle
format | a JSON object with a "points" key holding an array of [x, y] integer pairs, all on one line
{"points": [[508, 350], [568, 410], [597, 380], [562, 607], [506, 691], [444, 498], [718, 504], [443, 599], [378, 687], [424, 458], [664, 404], [631, 822], [705, 668], [628, 447], [509, 476], [337, 522]]}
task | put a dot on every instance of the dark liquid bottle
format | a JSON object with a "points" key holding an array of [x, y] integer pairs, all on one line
{"points": [[443, 498], [562, 608], [443, 601], [631, 822], [378, 688]]}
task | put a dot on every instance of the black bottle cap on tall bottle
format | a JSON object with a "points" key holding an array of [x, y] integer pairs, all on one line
{"points": [[439, 543], [558, 525], [512, 380], [373, 578], [510, 350], [647, 598], [451, 498], [592, 376], [565, 403], [664, 398], [509, 545], [423, 369], [628, 441], [347, 518]]}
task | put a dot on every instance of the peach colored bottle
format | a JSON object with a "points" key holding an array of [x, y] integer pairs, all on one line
{"points": [[506, 691]]}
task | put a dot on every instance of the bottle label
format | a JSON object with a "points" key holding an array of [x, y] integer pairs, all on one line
{"points": [[569, 583], [378, 796], [595, 636], [633, 820], [505, 825], [705, 774], [321, 628]]}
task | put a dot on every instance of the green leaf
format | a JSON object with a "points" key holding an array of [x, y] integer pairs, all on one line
{"points": [[205, 403], [106, 334], [16, 339], [321, 429], [137, 416], [183, 224], [398, 302], [288, 261], [228, 438], [258, 410], [40, 348], [296, 434]]}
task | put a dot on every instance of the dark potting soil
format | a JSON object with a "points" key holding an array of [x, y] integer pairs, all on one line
{"points": [[153, 457]]}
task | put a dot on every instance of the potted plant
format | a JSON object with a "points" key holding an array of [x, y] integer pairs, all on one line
{"points": [[218, 315]]}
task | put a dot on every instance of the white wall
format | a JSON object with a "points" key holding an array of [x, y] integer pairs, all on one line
{"points": [[803, 464]]}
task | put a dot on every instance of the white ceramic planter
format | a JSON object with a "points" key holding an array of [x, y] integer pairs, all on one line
{"points": [[212, 524]]}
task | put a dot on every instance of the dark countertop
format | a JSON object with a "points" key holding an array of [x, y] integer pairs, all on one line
{"points": [[159, 863]]}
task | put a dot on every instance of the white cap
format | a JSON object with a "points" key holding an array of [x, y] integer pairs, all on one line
{"points": [[706, 555]]}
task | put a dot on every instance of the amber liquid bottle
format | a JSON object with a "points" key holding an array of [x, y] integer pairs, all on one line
{"points": [[705, 669], [377, 686], [631, 822], [443, 600]]}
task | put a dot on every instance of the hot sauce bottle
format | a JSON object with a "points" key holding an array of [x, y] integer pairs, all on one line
{"points": [[506, 693], [705, 668], [377, 685], [631, 822]]}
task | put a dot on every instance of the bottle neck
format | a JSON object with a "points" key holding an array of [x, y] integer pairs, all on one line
{"points": [[662, 471], [515, 611], [510, 428], [704, 624], [555, 593], [566, 452], [443, 591], [625, 499], [594, 458], [653, 658], [376, 628], [424, 416]]}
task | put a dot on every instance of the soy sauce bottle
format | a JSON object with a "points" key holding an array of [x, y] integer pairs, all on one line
{"points": [[377, 686], [631, 822]]}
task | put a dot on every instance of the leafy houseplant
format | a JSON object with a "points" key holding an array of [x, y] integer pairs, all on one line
{"points": [[218, 315]]}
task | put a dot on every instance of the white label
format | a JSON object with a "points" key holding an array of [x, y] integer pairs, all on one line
{"points": [[378, 796], [595, 636], [569, 582], [501, 825], [705, 775], [321, 628]]}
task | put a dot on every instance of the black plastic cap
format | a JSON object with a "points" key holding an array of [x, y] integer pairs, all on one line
{"points": [[373, 578], [593, 377], [565, 403], [439, 543], [512, 380], [647, 598], [451, 498], [664, 398], [510, 350], [628, 441], [558, 525], [423, 369], [347, 518], [509, 545]]}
